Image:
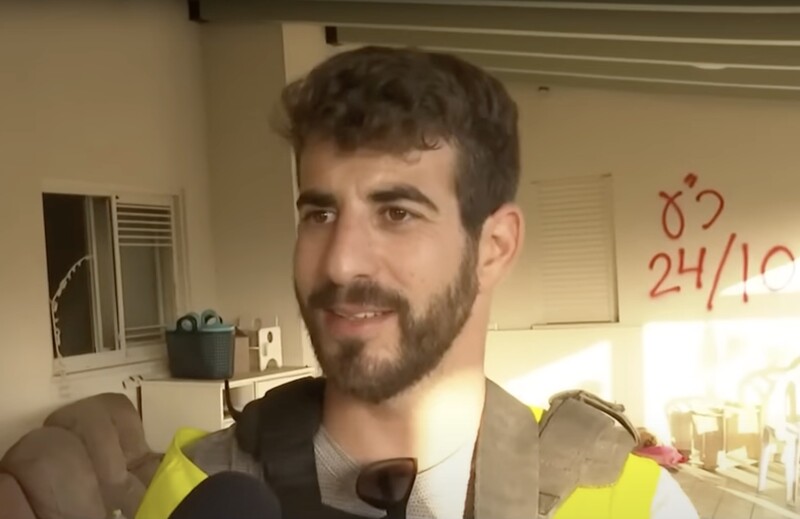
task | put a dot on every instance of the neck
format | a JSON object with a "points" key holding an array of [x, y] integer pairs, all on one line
{"points": [[428, 422]]}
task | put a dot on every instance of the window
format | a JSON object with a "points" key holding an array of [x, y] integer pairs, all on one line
{"points": [[573, 244], [113, 276]]}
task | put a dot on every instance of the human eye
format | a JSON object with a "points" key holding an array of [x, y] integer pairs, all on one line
{"points": [[319, 216], [397, 214]]}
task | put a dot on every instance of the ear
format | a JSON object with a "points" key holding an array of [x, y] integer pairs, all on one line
{"points": [[502, 238]]}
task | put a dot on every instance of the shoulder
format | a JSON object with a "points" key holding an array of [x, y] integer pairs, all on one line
{"points": [[220, 451], [176, 476], [192, 456], [640, 487]]}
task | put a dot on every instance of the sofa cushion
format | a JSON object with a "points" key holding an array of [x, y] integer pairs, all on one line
{"points": [[14, 503], [110, 428], [53, 469]]}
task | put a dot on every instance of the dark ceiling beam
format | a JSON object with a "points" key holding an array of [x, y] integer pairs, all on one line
{"points": [[733, 82], [618, 5], [771, 79], [761, 29], [645, 87], [744, 56]]}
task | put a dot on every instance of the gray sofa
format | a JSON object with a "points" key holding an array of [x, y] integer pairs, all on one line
{"points": [[89, 460]]}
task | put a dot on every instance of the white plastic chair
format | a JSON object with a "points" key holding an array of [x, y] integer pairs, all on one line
{"points": [[782, 427]]}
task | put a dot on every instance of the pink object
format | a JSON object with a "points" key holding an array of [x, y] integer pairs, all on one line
{"points": [[667, 457]]}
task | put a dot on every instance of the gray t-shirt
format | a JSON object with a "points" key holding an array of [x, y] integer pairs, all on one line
{"points": [[439, 491]]}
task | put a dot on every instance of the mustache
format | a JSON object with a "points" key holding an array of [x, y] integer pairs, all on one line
{"points": [[365, 293]]}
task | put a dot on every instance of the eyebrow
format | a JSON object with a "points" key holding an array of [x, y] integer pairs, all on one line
{"points": [[315, 198], [402, 192], [395, 193]]}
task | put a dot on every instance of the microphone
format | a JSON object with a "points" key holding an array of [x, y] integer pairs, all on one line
{"points": [[229, 495]]}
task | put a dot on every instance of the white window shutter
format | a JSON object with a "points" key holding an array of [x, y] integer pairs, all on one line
{"points": [[574, 250], [147, 268], [144, 225]]}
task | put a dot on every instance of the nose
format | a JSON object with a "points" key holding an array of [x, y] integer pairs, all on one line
{"points": [[350, 254]]}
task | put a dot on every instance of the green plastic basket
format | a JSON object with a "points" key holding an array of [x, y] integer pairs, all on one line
{"points": [[201, 347]]}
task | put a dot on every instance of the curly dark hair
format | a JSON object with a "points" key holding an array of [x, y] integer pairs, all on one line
{"points": [[398, 100]]}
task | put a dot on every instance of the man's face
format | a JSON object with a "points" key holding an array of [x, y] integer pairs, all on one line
{"points": [[384, 274]]}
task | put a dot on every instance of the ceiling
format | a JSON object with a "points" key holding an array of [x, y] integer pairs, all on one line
{"points": [[744, 48]]}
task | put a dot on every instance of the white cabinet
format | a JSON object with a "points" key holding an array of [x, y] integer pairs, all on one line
{"points": [[170, 404]]}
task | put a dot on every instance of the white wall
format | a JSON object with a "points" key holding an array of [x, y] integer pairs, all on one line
{"points": [[252, 195], [672, 346], [99, 93]]}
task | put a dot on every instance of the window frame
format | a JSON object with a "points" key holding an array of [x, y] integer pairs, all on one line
{"points": [[123, 355]]}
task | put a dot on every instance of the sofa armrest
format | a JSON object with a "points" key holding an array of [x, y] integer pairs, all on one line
{"points": [[14, 503], [56, 475]]}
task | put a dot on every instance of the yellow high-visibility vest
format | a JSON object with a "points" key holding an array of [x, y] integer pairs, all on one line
{"points": [[629, 498]]}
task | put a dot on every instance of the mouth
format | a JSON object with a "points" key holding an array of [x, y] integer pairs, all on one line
{"points": [[369, 314], [355, 321]]}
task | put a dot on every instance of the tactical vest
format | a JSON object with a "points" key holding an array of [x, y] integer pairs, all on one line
{"points": [[521, 467]]}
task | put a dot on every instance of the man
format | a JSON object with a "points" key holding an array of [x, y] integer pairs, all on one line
{"points": [[408, 165]]}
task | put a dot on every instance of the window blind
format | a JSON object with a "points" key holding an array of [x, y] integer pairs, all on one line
{"points": [[146, 239], [144, 225], [574, 247]]}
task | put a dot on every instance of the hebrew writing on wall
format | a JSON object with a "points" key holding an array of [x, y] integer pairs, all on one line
{"points": [[692, 208]]}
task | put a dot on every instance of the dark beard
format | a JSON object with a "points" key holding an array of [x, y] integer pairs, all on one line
{"points": [[424, 339]]}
